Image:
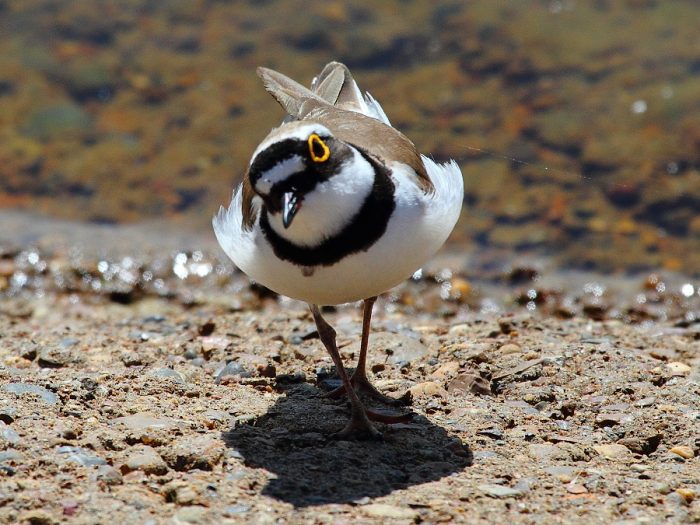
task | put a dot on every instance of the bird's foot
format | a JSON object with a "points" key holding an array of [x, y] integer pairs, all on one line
{"points": [[363, 386], [390, 419], [359, 427]]}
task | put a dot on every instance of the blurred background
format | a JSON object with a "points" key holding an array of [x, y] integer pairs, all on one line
{"points": [[576, 123]]}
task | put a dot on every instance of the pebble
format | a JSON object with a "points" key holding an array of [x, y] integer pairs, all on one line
{"points": [[427, 389], [499, 491], [8, 434], [576, 488], [484, 454], [612, 419], [683, 451], [25, 388], [10, 455], [561, 472], [37, 517], [383, 510], [401, 349], [461, 329], [233, 510], [492, 432], [469, 383], [687, 494], [145, 459], [510, 348], [192, 514], [612, 451], [676, 368], [109, 475], [199, 452], [60, 120], [80, 456], [180, 492], [215, 342], [143, 420], [446, 370], [169, 373], [232, 369], [642, 444], [69, 506], [544, 451], [664, 488]]}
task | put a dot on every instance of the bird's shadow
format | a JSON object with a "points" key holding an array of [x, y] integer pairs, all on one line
{"points": [[293, 441]]}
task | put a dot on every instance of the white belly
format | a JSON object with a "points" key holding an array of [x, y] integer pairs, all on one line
{"points": [[418, 227], [409, 241]]}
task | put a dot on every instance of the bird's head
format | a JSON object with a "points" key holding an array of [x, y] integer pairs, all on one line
{"points": [[290, 164], [310, 182]]}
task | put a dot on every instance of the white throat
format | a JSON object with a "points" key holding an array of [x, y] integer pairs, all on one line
{"points": [[332, 204]]}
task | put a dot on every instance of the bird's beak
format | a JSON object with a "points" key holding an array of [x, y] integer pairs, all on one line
{"points": [[291, 202]]}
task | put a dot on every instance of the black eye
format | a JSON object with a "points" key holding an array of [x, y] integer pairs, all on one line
{"points": [[318, 150]]}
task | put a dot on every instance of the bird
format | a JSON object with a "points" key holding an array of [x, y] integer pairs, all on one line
{"points": [[338, 206]]}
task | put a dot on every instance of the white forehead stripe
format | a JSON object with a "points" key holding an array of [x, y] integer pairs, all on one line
{"points": [[279, 172], [291, 130]]}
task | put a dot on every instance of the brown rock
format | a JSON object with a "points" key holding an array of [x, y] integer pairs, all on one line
{"points": [[469, 383], [683, 451], [427, 389], [612, 451], [145, 459]]}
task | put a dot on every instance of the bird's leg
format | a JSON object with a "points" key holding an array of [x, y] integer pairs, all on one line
{"points": [[359, 378], [359, 425]]}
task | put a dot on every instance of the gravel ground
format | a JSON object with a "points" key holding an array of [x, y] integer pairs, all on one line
{"points": [[170, 411]]}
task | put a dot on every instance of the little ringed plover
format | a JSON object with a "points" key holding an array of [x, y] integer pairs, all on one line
{"points": [[337, 206]]}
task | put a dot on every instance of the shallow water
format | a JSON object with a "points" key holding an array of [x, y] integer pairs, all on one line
{"points": [[575, 123]]}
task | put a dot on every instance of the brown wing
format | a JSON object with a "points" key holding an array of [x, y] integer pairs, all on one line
{"points": [[375, 137], [335, 85]]}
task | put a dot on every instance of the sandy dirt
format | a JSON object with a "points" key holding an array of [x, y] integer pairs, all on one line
{"points": [[207, 406]]}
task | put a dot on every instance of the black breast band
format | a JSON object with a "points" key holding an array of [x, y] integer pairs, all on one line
{"points": [[365, 228]]}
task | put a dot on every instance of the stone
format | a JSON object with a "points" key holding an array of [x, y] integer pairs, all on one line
{"points": [[383, 510], [46, 396], [37, 517], [687, 494], [8, 434], [233, 370], [400, 349], [611, 419], [181, 492], [80, 456], [510, 348], [642, 444], [170, 374], [546, 452], [194, 514], [427, 389], [145, 459], [576, 488], [469, 383], [108, 475], [446, 370], [678, 369], [199, 452], [498, 491], [144, 420], [60, 120], [612, 451], [11, 456], [683, 451]]}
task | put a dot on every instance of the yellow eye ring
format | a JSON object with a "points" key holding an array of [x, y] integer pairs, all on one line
{"points": [[314, 143]]}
